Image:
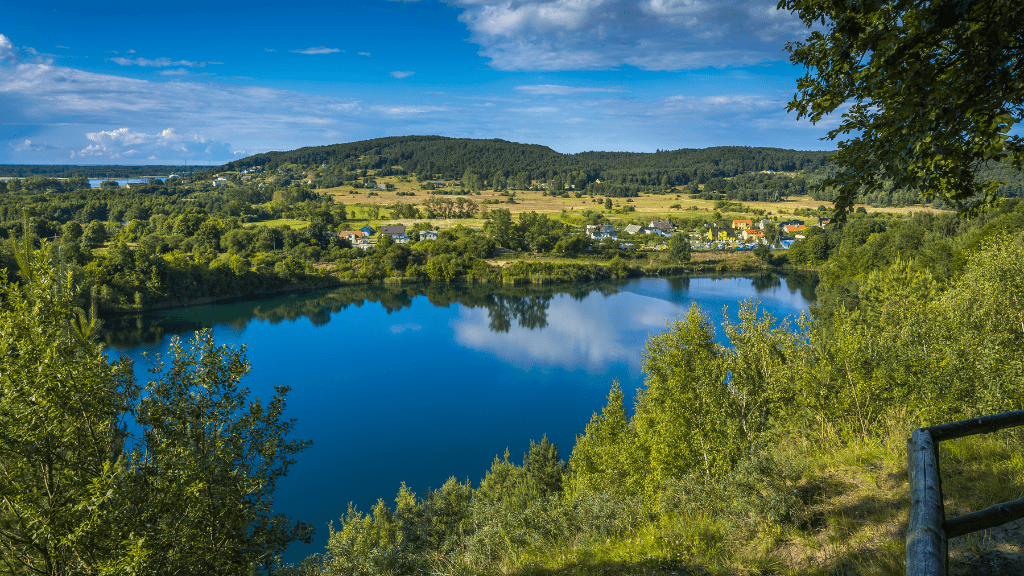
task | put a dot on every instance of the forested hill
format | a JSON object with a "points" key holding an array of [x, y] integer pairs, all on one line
{"points": [[434, 155], [451, 158]]}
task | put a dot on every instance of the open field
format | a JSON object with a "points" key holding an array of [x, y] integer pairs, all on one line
{"points": [[647, 207], [291, 223]]}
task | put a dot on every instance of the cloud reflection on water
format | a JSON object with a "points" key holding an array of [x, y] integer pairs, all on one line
{"points": [[587, 333]]}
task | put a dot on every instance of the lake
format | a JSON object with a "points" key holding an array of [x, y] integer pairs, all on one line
{"points": [[95, 182], [417, 383]]}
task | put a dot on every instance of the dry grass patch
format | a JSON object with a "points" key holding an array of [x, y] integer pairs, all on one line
{"points": [[647, 206]]}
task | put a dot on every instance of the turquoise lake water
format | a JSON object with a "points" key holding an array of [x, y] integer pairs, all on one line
{"points": [[419, 383]]}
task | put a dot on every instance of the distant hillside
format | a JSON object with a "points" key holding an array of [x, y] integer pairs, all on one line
{"points": [[451, 158], [72, 171]]}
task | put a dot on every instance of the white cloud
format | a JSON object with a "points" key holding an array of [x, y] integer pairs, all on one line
{"points": [[672, 7], [587, 330], [648, 34], [536, 110], [125, 143], [7, 51], [401, 74], [399, 328], [27, 145], [364, 54], [539, 89], [269, 50], [318, 50], [156, 63], [404, 110], [61, 105]]}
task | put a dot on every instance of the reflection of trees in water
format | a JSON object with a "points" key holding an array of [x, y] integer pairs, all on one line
{"points": [[679, 284], [766, 282], [129, 331], [529, 312], [524, 306], [803, 281], [506, 305]]}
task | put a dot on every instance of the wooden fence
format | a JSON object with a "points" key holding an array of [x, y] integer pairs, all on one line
{"points": [[929, 529]]}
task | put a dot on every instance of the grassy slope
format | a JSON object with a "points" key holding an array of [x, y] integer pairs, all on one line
{"points": [[851, 519], [647, 206]]}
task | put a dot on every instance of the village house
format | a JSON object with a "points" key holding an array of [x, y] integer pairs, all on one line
{"points": [[428, 234], [793, 228], [753, 234], [742, 224], [397, 233], [601, 231], [721, 234], [663, 227], [352, 235], [636, 229]]}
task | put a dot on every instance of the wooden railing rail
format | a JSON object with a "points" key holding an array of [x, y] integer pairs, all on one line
{"points": [[928, 530]]}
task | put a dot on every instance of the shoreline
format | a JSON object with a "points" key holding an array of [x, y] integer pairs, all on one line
{"points": [[706, 267]]}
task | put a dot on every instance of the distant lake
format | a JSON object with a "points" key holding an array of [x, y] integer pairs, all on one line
{"points": [[418, 383], [95, 182]]}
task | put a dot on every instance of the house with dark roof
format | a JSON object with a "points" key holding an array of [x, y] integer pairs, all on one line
{"points": [[601, 231], [397, 233], [663, 226]]}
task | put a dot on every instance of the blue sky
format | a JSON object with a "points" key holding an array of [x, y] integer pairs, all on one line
{"points": [[105, 82]]}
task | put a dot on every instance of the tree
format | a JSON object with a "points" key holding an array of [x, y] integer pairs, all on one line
{"points": [[95, 234], [500, 228], [207, 471], [62, 410], [933, 87], [103, 476], [679, 247], [607, 203], [71, 231], [557, 186], [472, 181], [763, 252]]}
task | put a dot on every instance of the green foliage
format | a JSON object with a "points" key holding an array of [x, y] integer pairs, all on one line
{"points": [[684, 417], [763, 252], [63, 412], [757, 489], [933, 90], [103, 476], [407, 540], [602, 456], [514, 487], [211, 460], [679, 247]]}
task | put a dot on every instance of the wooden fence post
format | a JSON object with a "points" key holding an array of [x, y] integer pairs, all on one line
{"points": [[926, 538]]}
